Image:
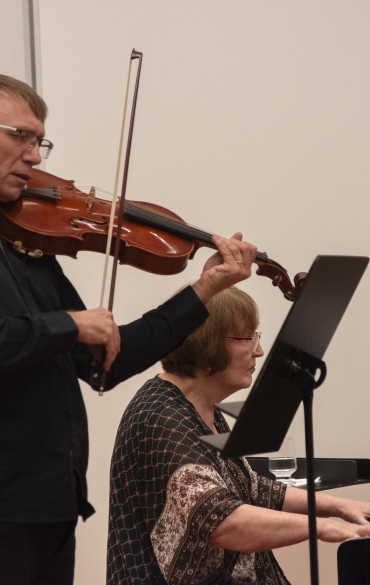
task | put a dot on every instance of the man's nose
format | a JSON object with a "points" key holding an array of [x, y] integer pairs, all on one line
{"points": [[32, 155]]}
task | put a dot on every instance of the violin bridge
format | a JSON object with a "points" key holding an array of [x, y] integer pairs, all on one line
{"points": [[90, 199]]}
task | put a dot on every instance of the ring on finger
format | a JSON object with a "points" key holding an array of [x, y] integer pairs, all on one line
{"points": [[240, 261]]}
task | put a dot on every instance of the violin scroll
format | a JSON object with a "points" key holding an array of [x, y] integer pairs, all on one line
{"points": [[279, 277]]}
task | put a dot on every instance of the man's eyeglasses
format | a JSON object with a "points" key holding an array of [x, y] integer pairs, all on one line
{"points": [[254, 340], [28, 138]]}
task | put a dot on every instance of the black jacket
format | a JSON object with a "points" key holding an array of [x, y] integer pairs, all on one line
{"points": [[43, 423]]}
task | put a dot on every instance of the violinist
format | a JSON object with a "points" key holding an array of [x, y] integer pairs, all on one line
{"points": [[47, 342]]}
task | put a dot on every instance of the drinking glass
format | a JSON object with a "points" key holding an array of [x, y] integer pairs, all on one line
{"points": [[283, 463]]}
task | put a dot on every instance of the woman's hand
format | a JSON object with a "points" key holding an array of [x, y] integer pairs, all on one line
{"points": [[327, 506], [353, 511], [329, 530]]}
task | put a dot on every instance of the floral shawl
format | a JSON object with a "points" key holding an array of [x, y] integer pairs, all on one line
{"points": [[169, 491]]}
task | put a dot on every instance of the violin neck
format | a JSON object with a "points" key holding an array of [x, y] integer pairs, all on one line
{"points": [[176, 227]]}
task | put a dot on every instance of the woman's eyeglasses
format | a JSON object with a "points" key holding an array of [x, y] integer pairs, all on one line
{"points": [[255, 339]]}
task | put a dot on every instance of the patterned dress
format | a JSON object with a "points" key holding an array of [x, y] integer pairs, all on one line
{"points": [[169, 491]]}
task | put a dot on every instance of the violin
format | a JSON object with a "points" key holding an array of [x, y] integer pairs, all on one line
{"points": [[52, 216]]}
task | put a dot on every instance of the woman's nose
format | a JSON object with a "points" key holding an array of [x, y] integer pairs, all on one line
{"points": [[259, 351]]}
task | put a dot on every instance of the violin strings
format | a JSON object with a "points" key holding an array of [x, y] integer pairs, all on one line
{"points": [[163, 220], [86, 189], [179, 227], [139, 211], [166, 221]]}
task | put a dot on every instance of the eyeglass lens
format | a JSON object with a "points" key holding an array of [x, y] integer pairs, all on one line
{"points": [[256, 340], [29, 138]]}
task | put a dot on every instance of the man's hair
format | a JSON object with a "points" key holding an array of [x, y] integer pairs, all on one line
{"points": [[231, 312], [11, 86]]}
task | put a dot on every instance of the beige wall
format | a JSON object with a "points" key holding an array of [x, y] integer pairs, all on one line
{"points": [[252, 116], [14, 39]]}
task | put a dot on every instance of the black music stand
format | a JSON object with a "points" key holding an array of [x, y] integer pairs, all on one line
{"points": [[288, 374]]}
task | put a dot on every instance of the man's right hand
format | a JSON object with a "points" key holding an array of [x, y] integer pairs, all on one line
{"points": [[96, 328]]}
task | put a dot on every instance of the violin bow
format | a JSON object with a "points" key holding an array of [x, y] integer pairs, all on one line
{"points": [[98, 374]]}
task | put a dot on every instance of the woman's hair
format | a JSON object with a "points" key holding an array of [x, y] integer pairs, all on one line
{"points": [[11, 86], [231, 312]]}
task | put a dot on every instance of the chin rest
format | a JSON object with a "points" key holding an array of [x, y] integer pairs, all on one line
{"points": [[354, 562]]}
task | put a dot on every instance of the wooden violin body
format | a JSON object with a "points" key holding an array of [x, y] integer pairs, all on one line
{"points": [[68, 222], [52, 216]]}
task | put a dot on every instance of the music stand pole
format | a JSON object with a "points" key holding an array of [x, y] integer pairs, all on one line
{"points": [[302, 374], [311, 499]]}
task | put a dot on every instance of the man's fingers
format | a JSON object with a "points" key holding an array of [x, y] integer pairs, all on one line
{"points": [[231, 264], [96, 328], [111, 346], [110, 356], [234, 251], [237, 236]]}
